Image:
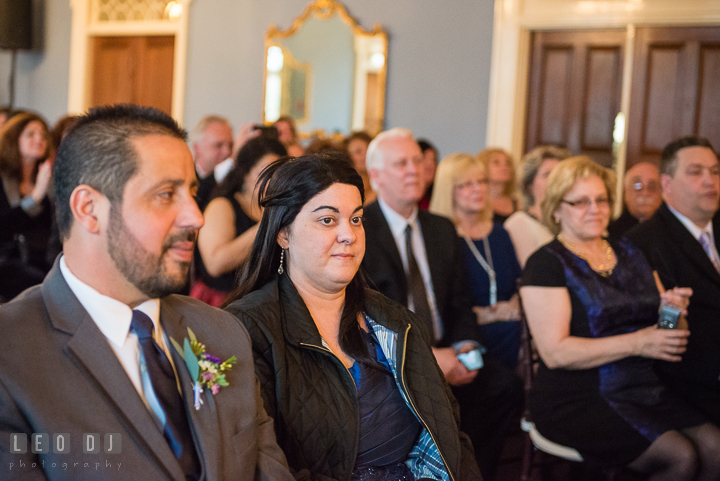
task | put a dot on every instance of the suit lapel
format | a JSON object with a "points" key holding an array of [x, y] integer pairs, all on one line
{"points": [[384, 240], [91, 349], [204, 422], [689, 244]]}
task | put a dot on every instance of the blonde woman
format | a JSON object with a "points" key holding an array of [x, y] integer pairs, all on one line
{"points": [[592, 307], [501, 182], [461, 193], [525, 226]]}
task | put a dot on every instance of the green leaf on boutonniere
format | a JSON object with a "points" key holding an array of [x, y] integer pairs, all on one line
{"points": [[191, 360], [177, 346], [192, 335]]}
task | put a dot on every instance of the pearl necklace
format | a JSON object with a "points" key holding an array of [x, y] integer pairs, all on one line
{"points": [[604, 269]]}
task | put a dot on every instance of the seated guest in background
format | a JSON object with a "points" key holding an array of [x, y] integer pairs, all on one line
{"points": [[501, 182], [681, 242], [95, 337], [211, 142], [492, 269], [62, 127], [414, 258], [525, 227], [324, 146], [592, 308], [5, 114], [345, 372], [641, 195], [25, 212], [231, 220], [430, 154], [356, 146], [287, 134]]}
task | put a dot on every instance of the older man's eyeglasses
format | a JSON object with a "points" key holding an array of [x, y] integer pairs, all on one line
{"points": [[651, 186], [586, 202]]}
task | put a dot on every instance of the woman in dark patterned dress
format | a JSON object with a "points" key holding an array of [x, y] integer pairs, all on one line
{"points": [[592, 307]]}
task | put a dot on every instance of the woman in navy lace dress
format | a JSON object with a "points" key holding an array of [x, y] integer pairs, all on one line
{"points": [[592, 307]]}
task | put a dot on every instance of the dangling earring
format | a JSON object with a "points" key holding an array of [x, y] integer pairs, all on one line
{"points": [[282, 257]]}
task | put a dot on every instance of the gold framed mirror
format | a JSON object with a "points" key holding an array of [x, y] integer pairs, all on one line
{"points": [[326, 72]]}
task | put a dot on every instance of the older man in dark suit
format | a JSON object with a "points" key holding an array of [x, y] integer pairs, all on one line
{"points": [[92, 385], [412, 257], [681, 243]]}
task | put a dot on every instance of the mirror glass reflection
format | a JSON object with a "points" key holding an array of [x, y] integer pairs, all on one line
{"points": [[326, 72]]}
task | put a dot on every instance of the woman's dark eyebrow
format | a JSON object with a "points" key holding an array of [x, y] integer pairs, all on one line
{"points": [[334, 209]]}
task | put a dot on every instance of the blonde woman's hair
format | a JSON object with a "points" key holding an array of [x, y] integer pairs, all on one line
{"points": [[449, 171], [509, 189], [562, 180]]}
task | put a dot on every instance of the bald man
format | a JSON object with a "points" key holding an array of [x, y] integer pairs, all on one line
{"points": [[641, 195]]}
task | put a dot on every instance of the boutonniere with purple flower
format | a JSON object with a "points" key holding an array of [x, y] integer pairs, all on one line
{"points": [[205, 369]]}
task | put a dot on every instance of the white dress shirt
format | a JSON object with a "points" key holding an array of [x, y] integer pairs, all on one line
{"points": [[697, 232], [398, 224], [113, 319], [223, 169]]}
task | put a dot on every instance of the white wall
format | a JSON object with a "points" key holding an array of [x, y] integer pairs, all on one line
{"points": [[438, 63]]}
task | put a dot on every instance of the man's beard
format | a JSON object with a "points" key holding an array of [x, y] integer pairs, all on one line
{"points": [[147, 272]]}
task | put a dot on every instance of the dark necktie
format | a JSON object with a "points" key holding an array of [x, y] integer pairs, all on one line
{"points": [[416, 286], [176, 430]]}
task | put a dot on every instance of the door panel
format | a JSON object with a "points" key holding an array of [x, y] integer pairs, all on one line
{"points": [[676, 91], [556, 80], [574, 91], [133, 69], [113, 70], [708, 105], [603, 84], [154, 87]]}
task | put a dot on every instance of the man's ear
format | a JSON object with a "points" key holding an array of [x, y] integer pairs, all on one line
{"points": [[373, 174], [87, 206], [282, 238], [665, 181]]}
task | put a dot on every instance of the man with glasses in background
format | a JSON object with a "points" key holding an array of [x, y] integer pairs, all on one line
{"points": [[641, 196]]}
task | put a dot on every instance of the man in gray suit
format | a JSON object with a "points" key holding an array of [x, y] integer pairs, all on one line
{"points": [[92, 385]]}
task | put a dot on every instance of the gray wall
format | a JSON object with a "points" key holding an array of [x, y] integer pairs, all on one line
{"points": [[438, 63]]}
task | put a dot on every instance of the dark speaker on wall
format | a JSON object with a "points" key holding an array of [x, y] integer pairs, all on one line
{"points": [[16, 24]]}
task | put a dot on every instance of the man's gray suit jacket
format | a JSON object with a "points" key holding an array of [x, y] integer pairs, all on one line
{"points": [[58, 374]]}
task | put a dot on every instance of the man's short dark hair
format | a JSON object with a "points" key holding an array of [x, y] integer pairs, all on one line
{"points": [[98, 152], [668, 158]]}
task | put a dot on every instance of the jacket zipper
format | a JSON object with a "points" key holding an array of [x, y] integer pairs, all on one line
{"points": [[357, 409], [414, 408]]}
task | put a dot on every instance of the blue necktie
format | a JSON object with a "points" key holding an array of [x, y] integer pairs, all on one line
{"points": [[162, 377]]}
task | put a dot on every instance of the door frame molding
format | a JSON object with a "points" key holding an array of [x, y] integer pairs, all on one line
{"points": [[83, 29]]}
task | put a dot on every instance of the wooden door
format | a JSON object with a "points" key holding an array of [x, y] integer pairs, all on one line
{"points": [[574, 91], [133, 69], [675, 89]]}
